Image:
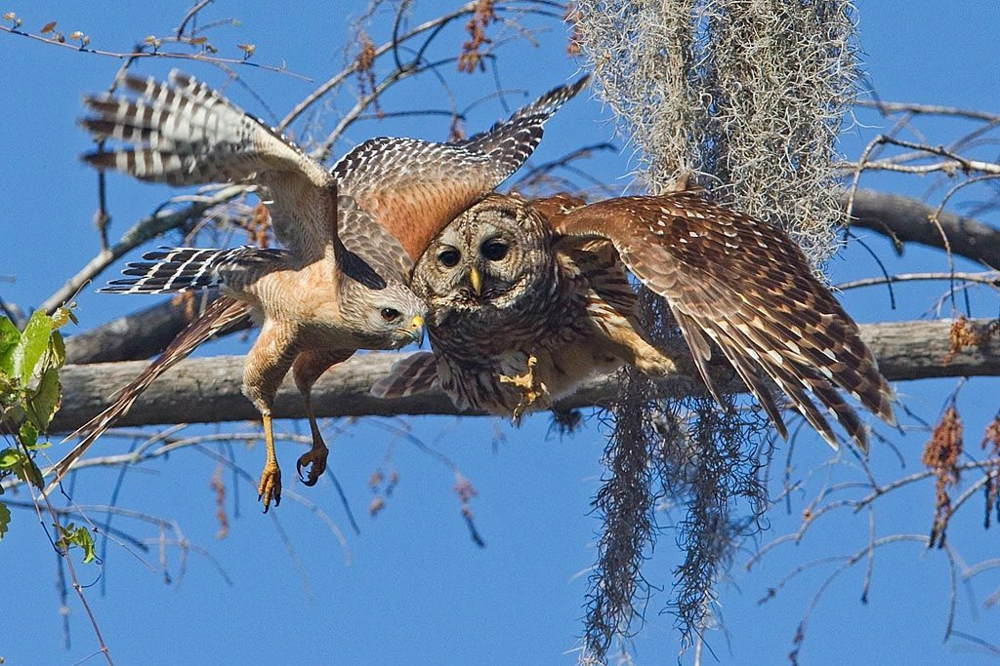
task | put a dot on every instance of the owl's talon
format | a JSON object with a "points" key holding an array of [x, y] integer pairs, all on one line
{"points": [[315, 459], [528, 385], [270, 486]]}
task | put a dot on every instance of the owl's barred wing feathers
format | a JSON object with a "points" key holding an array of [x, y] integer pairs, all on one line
{"points": [[184, 133], [414, 188], [221, 314], [746, 286]]}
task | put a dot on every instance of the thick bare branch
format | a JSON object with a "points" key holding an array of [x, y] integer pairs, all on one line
{"points": [[209, 389], [907, 220]]}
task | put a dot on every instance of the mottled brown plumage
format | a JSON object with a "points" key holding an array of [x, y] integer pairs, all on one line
{"points": [[349, 234], [559, 295]]}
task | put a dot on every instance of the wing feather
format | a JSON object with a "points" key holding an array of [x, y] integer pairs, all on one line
{"points": [[414, 188], [747, 286], [221, 314], [183, 132]]}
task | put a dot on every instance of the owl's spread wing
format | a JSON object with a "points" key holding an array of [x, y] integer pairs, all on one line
{"points": [[184, 133], [415, 188], [746, 286], [556, 207]]}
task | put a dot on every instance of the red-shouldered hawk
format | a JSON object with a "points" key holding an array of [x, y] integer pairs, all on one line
{"points": [[527, 299], [350, 235]]}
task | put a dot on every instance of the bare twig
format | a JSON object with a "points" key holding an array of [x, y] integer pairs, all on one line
{"points": [[170, 55], [142, 231], [927, 109], [991, 278]]}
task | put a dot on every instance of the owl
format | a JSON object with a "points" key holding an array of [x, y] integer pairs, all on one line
{"points": [[528, 299]]}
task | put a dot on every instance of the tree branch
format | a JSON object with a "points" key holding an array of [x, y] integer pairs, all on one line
{"points": [[209, 389], [907, 220]]}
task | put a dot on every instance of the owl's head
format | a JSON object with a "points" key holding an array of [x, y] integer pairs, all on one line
{"points": [[491, 256]]}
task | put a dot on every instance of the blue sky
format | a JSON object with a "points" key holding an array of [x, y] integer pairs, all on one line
{"points": [[417, 589]]}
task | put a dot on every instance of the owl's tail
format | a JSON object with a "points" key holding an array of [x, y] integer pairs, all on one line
{"points": [[221, 314], [183, 133], [179, 269]]}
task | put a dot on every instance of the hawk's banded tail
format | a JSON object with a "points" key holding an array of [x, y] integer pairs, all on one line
{"points": [[221, 314]]}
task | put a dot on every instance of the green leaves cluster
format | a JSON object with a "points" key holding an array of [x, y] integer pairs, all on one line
{"points": [[30, 393]]}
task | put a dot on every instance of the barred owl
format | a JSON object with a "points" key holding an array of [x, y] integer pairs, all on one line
{"points": [[527, 299]]}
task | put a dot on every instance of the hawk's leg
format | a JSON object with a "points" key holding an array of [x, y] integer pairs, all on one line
{"points": [[266, 365], [270, 478], [308, 367], [530, 387]]}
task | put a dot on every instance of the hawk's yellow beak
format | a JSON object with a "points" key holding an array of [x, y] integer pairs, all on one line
{"points": [[417, 330], [476, 280]]}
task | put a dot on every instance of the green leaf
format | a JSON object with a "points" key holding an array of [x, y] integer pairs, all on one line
{"points": [[33, 343], [23, 466], [9, 337], [29, 434], [46, 399], [80, 537], [10, 458], [4, 519], [57, 350]]}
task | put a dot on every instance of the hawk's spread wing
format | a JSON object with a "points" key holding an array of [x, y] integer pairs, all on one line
{"points": [[415, 188], [746, 286], [372, 253], [184, 133]]}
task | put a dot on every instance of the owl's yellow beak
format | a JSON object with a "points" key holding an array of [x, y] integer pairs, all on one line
{"points": [[476, 280]]}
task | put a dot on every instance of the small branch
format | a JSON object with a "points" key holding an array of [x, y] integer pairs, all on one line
{"points": [[170, 55], [991, 278], [907, 220], [927, 109], [142, 231], [954, 162]]}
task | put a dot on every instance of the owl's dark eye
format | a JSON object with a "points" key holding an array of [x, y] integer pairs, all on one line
{"points": [[449, 258], [391, 315], [494, 250]]}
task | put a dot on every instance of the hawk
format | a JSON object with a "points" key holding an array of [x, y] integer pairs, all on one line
{"points": [[527, 299], [350, 235]]}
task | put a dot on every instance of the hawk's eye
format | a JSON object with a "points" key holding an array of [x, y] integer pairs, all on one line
{"points": [[494, 250], [449, 258], [391, 315]]}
